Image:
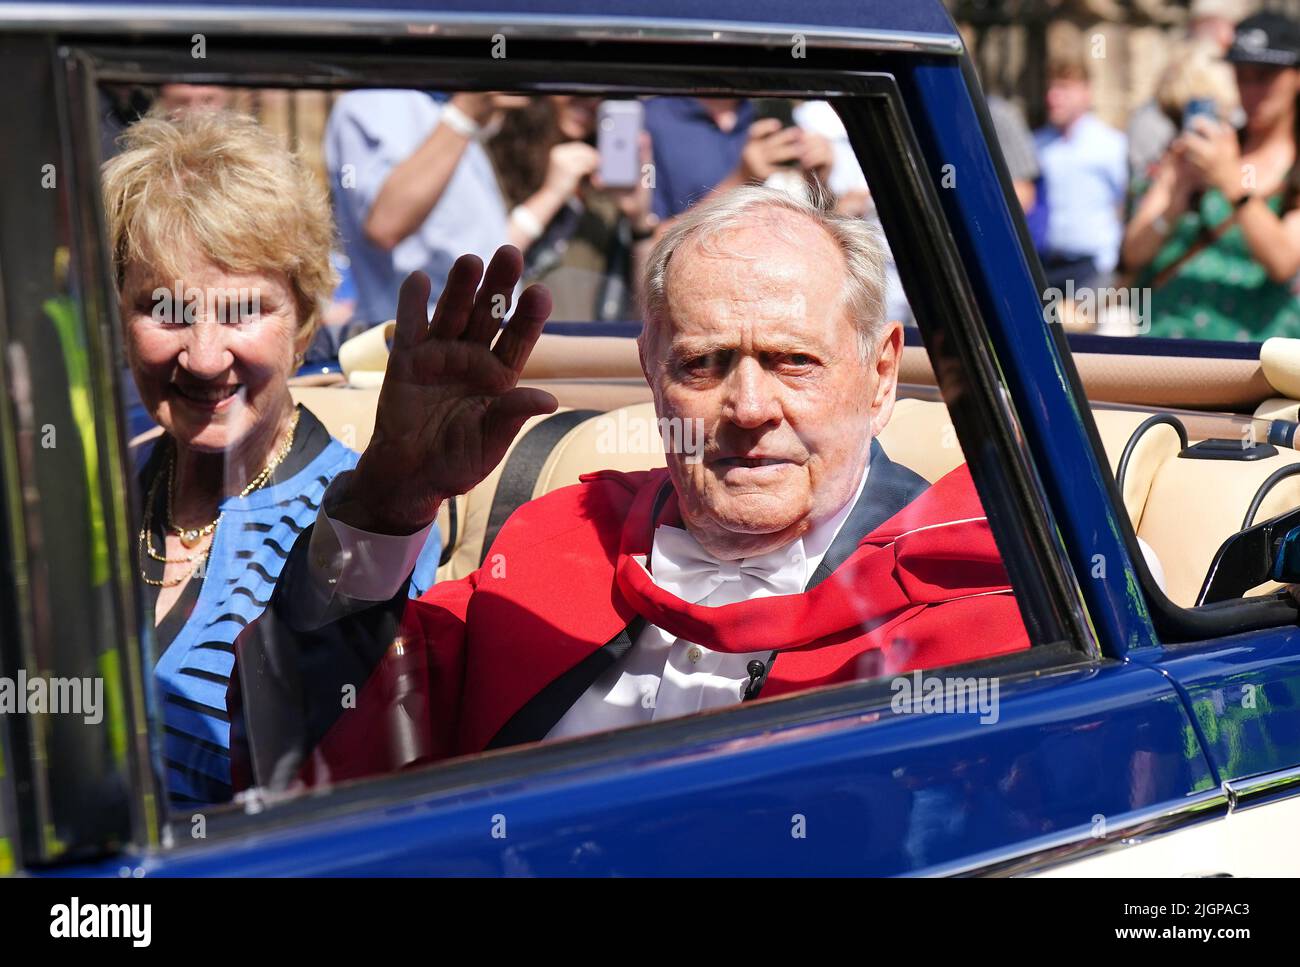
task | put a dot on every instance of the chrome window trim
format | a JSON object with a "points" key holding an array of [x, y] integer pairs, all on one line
{"points": [[1263, 789], [1069, 846], [317, 21], [1233, 796]]}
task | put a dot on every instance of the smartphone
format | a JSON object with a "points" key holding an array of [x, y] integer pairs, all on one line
{"points": [[618, 139], [781, 108], [1199, 107]]}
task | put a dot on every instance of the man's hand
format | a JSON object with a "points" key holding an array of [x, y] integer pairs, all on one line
{"points": [[818, 157], [450, 404], [568, 164], [769, 147], [635, 203]]}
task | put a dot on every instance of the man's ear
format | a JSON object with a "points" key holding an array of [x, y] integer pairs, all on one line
{"points": [[647, 343], [888, 355]]}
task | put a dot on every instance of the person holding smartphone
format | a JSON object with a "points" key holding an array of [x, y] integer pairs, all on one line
{"points": [[1216, 235], [707, 145], [591, 158]]}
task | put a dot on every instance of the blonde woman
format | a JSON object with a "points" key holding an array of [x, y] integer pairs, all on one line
{"points": [[220, 243]]}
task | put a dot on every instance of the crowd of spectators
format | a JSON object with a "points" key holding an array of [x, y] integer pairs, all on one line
{"points": [[1215, 232], [1193, 205], [1191, 215]]}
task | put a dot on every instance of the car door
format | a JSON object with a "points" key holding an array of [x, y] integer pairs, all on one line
{"points": [[1234, 664], [1056, 752]]}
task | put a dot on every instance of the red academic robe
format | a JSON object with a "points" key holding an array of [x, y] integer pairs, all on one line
{"points": [[927, 588]]}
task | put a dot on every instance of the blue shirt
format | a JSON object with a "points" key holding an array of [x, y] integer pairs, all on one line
{"points": [[368, 134], [1086, 173], [249, 549], [691, 153]]}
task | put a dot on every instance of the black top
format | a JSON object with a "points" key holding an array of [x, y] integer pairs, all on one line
{"points": [[309, 440]]}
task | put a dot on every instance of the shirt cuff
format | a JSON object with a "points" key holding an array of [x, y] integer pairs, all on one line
{"points": [[358, 564]]}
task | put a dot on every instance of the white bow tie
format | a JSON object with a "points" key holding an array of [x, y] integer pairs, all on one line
{"points": [[682, 567]]}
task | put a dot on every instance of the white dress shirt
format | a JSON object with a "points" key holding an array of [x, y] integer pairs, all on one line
{"points": [[661, 675]]}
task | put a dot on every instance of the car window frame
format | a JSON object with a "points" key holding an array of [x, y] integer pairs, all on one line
{"points": [[1062, 638], [1171, 623], [62, 609]]}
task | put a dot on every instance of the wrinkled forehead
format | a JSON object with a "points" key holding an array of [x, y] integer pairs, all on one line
{"points": [[755, 282]]}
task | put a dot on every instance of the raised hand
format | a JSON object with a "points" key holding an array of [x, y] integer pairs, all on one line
{"points": [[450, 404], [1211, 149], [769, 146], [567, 165]]}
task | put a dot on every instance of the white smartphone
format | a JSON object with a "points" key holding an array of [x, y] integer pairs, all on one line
{"points": [[618, 139]]}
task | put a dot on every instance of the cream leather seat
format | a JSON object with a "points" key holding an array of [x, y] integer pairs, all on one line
{"points": [[1184, 509], [1195, 505], [1158, 444], [348, 412], [550, 452], [920, 436]]}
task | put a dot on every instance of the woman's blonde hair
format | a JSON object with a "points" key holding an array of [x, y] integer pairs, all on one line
{"points": [[222, 184], [1196, 70]]}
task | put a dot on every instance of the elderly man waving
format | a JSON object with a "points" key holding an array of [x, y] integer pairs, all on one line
{"points": [[787, 552]]}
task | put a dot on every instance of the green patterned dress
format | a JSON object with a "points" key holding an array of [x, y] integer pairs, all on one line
{"points": [[1221, 292]]}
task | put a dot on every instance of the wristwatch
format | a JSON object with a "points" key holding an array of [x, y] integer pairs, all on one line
{"points": [[462, 123]]}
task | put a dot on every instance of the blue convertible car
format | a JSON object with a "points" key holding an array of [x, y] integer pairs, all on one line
{"points": [[1153, 726]]}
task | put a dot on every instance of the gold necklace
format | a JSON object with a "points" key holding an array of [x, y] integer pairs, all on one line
{"points": [[190, 537]]}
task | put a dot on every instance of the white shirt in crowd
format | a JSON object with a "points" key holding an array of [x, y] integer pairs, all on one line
{"points": [[846, 176]]}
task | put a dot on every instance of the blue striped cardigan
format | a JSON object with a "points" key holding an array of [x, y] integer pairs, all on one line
{"points": [[248, 552]]}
